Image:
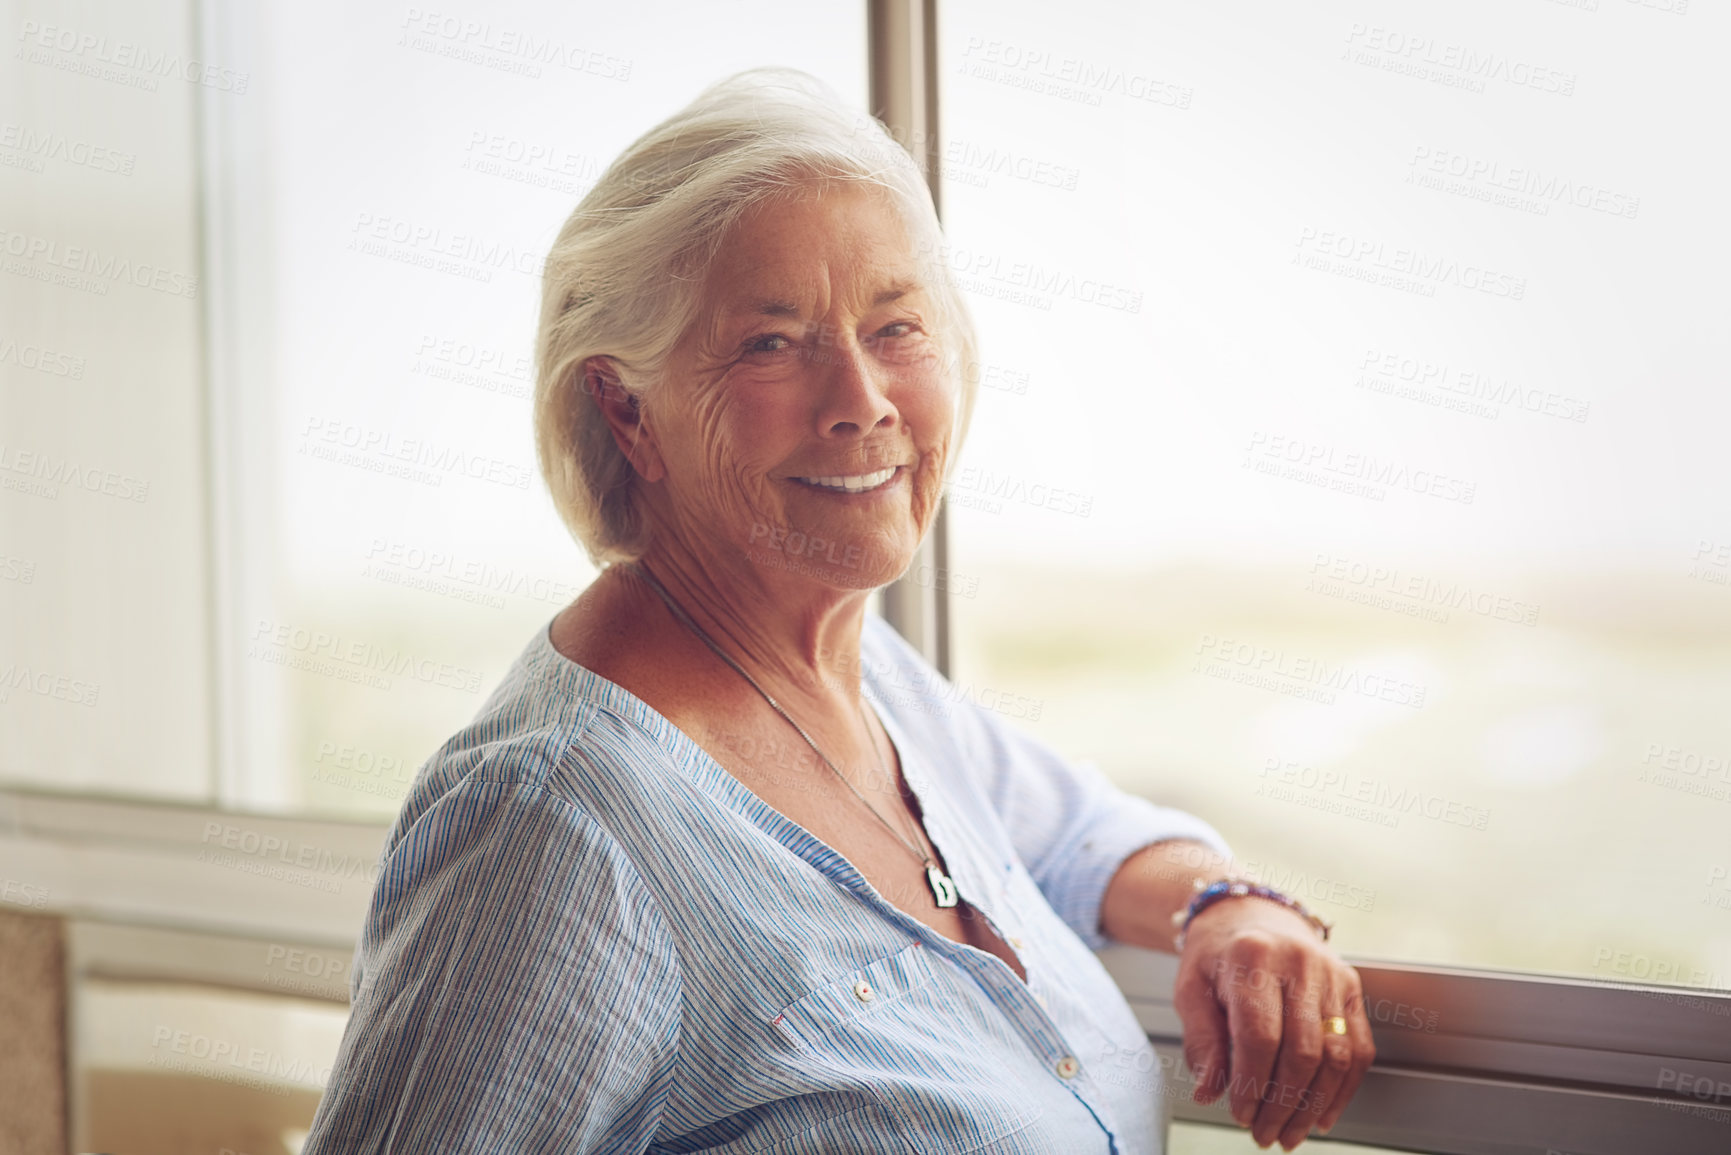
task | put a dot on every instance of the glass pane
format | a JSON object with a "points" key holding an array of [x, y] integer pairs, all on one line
{"points": [[418, 166], [1348, 464], [103, 591]]}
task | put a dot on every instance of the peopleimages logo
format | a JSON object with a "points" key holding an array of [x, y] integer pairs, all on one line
{"points": [[1024, 282], [1068, 77], [505, 48], [41, 359], [287, 851], [1454, 65], [1390, 587], [41, 473], [1460, 387], [985, 489], [1541, 188], [962, 158], [1315, 888], [16, 678], [1705, 774], [44, 145], [1383, 802], [211, 1057], [471, 579], [1376, 259], [23, 893], [136, 65], [797, 543], [1313, 678], [416, 459], [433, 247], [321, 651], [1360, 474], [96, 267]]}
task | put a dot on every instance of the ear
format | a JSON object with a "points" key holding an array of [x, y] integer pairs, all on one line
{"points": [[621, 411]]}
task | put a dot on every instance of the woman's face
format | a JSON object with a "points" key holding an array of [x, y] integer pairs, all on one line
{"points": [[806, 418]]}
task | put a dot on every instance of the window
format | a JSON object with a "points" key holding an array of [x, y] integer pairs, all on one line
{"points": [[277, 567], [1348, 416]]}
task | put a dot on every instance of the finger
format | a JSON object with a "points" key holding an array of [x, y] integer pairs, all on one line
{"points": [[1300, 1055], [1253, 1012], [1331, 1072], [1363, 1052], [1324, 1090], [1205, 1038]]}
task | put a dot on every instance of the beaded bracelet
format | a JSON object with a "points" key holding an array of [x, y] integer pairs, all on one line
{"points": [[1209, 894]]}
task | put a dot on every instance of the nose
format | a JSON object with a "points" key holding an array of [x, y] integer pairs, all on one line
{"points": [[855, 399]]}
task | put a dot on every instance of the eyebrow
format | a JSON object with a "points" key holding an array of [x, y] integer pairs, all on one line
{"points": [[772, 307]]}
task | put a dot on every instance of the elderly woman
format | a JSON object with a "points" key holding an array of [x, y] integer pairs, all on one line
{"points": [[723, 864]]}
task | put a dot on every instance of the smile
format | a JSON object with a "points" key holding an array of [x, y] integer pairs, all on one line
{"points": [[858, 483]]}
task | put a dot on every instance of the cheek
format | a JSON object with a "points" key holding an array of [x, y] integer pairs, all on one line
{"points": [[928, 406], [729, 442]]}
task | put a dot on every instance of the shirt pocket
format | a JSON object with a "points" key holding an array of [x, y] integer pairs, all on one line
{"points": [[944, 1064]]}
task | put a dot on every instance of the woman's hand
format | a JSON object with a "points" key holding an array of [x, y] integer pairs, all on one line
{"points": [[1255, 990]]}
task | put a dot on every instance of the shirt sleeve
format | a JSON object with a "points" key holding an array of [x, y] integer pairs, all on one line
{"points": [[516, 989], [1071, 826]]}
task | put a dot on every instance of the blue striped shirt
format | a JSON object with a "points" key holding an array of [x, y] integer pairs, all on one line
{"points": [[587, 936]]}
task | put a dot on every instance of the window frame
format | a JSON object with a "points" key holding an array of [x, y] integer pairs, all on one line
{"points": [[1517, 1062]]}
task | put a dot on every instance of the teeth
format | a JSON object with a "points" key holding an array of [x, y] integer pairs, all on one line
{"points": [[856, 484]]}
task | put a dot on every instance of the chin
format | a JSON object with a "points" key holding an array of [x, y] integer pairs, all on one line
{"points": [[863, 563]]}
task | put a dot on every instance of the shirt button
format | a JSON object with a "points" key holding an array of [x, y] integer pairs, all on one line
{"points": [[862, 991], [1041, 999], [1017, 943], [1067, 1067]]}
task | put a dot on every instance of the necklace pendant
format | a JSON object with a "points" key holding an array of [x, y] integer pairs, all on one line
{"points": [[943, 889]]}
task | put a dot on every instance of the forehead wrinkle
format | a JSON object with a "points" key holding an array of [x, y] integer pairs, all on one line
{"points": [[762, 294], [786, 277], [898, 289]]}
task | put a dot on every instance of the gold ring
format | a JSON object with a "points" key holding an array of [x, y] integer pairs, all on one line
{"points": [[1335, 1025]]}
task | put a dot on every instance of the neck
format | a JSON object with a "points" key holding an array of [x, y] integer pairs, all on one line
{"points": [[796, 636]]}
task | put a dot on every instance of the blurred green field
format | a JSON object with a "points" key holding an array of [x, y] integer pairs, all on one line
{"points": [[1512, 817], [1540, 734]]}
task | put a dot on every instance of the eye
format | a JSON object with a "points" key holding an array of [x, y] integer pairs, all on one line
{"points": [[767, 343], [893, 331]]}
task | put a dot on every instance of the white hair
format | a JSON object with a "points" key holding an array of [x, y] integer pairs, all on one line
{"points": [[624, 278]]}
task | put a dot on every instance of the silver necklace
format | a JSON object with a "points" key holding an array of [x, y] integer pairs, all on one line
{"points": [[942, 885]]}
